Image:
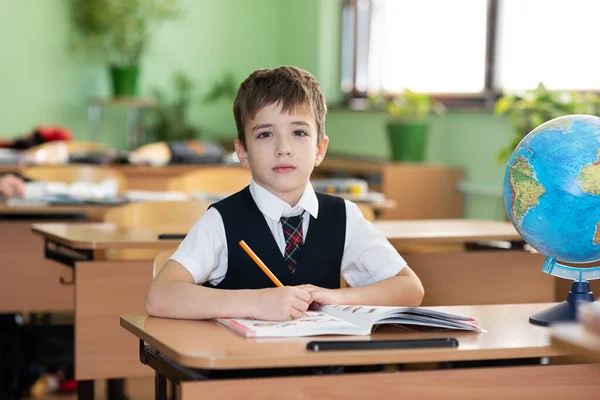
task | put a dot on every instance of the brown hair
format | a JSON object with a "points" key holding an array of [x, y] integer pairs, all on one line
{"points": [[289, 86]]}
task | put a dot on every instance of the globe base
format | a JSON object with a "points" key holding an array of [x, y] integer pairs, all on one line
{"points": [[567, 310]]}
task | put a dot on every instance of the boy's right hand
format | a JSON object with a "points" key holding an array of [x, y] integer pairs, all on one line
{"points": [[281, 304]]}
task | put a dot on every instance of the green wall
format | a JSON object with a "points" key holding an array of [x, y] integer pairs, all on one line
{"points": [[44, 81]]}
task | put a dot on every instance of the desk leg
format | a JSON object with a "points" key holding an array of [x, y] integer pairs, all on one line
{"points": [[85, 390], [173, 391], [116, 389], [160, 387]]}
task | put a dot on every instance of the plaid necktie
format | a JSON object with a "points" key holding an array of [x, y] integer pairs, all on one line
{"points": [[292, 231]]}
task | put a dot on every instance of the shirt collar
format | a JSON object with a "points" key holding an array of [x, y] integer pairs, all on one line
{"points": [[275, 208]]}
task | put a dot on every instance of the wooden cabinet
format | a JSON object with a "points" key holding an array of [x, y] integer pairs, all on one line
{"points": [[421, 191]]}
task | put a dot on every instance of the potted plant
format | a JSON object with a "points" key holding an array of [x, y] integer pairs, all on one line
{"points": [[407, 126], [119, 31], [534, 107], [168, 121]]}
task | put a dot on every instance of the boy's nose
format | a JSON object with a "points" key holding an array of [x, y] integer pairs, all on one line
{"points": [[283, 148]]}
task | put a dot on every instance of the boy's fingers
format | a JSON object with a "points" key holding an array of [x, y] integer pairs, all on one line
{"points": [[302, 295], [300, 305], [296, 314]]}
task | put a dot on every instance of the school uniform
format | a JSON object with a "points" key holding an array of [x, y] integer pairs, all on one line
{"points": [[337, 240]]}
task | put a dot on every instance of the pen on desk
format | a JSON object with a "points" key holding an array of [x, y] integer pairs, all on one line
{"points": [[381, 344], [261, 264]]}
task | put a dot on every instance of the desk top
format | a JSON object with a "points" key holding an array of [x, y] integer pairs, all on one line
{"points": [[209, 345], [575, 339], [105, 236]]}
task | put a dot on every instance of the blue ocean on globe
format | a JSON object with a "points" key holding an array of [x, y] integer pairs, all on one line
{"points": [[552, 188]]}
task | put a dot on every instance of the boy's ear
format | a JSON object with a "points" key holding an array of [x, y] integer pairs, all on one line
{"points": [[241, 152], [321, 150]]}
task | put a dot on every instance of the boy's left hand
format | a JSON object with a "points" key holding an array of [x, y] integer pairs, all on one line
{"points": [[322, 296]]}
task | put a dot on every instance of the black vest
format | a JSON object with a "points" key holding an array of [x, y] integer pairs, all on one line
{"points": [[321, 258]]}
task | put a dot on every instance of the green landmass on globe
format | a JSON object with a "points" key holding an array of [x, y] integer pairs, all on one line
{"points": [[525, 191], [589, 178]]}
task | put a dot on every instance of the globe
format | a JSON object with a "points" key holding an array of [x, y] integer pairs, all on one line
{"points": [[552, 194]]}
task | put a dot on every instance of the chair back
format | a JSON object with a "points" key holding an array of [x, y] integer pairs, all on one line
{"points": [[212, 180], [367, 211], [164, 216]]}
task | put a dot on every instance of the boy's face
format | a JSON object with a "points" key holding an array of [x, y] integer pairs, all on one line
{"points": [[282, 150]]}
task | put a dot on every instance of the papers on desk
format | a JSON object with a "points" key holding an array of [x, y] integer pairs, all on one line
{"points": [[210, 196], [10, 156], [147, 195], [45, 193]]}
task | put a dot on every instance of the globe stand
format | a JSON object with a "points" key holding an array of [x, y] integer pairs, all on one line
{"points": [[567, 310]]}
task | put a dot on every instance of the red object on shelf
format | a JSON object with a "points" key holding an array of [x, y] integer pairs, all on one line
{"points": [[41, 134]]}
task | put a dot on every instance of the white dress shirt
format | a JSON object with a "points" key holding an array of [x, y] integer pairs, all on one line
{"points": [[368, 256]]}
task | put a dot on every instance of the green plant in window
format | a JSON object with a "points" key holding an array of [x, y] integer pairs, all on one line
{"points": [[409, 105], [534, 107]]}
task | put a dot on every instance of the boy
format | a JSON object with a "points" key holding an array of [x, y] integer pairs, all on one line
{"points": [[306, 239]]}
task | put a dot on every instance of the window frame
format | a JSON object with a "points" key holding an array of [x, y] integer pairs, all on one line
{"points": [[485, 100]]}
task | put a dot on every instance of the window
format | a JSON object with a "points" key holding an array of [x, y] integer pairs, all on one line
{"points": [[549, 41], [469, 49]]}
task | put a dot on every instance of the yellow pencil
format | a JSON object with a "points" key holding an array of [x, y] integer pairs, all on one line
{"points": [[261, 264]]}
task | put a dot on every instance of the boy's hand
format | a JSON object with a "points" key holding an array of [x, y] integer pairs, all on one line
{"points": [[11, 186], [321, 295], [281, 304]]}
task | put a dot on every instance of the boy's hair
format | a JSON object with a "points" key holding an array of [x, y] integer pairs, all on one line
{"points": [[289, 86]]}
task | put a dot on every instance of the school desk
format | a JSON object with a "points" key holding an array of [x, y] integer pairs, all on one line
{"points": [[186, 352], [575, 339], [30, 282], [458, 266], [467, 277], [410, 186]]}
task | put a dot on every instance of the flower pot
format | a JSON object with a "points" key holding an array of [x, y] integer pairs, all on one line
{"points": [[408, 140], [124, 80]]}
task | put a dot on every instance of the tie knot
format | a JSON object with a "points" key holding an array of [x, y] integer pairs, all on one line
{"points": [[291, 222]]}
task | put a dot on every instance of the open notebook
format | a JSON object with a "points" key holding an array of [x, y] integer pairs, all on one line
{"points": [[351, 320]]}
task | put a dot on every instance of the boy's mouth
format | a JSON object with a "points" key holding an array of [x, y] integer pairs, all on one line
{"points": [[284, 168]]}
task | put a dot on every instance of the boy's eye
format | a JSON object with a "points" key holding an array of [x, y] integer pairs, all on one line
{"points": [[300, 133], [263, 135]]}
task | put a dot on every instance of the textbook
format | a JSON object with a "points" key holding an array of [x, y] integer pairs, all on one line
{"points": [[351, 320]]}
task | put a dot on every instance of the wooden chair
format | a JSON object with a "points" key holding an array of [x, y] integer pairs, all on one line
{"points": [[166, 216], [74, 172], [367, 211], [212, 180], [369, 215]]}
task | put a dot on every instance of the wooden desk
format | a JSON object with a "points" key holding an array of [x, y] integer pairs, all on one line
{"points": [[174, 343], [452, 231], [449, 277], [419, 190], [30, 282], [573, 338], [140, 177], [409, 186]]}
